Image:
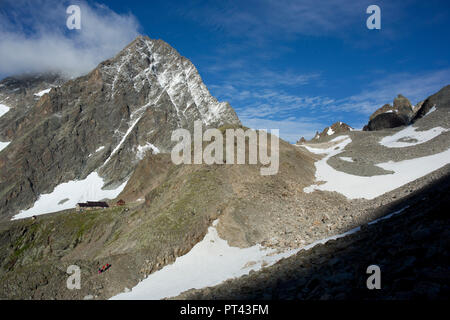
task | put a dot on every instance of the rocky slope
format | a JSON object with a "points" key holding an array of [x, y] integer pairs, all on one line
{"points": [[411, 249], [20, 94], [180, 202], [103, 121]]}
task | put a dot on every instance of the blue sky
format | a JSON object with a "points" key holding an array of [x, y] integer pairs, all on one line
{"points": [[296, 65]]}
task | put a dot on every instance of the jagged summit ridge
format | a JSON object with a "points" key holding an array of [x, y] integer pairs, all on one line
{"points": [[335, 128], [155, 68]]}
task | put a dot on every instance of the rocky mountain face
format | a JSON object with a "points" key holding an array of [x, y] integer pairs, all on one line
{"points": [[104, 121], [440, 99], [20, 94], [402, 113], [399, 114]]}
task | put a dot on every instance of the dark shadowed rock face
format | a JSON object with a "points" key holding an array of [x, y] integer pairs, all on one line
{"points": [[399, 114], [386, 108], [106, 121], [403, 113], [441, 99], [385, 121]]}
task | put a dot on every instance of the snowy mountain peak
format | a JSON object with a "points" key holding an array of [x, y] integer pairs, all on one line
{"points": [[154, 68], [103, 122]]}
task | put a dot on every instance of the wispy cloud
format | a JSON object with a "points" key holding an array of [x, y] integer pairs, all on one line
{"points": [[263, 100], [416, 87], [272, 103], [266, 104], [34, 37], [261, 20], [265, 93]]}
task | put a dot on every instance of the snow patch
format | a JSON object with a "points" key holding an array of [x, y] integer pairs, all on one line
{"points": [[3, 145], [210, 262], [41, 93], [411, 133], [141, 150], [88, 189], [98, 149], [388, 216], [355, 187], [330, 131], [433, 109], [348, 159], [3, 109]]}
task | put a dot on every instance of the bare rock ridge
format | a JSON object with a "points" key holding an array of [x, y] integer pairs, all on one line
{"points": [[104, 121], [335, 128], [400, 113], [403, 113]]}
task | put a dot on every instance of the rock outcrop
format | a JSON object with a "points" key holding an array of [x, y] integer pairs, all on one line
{"points": [[301, 140], [335, 128], [440, 99], [400, 114]]}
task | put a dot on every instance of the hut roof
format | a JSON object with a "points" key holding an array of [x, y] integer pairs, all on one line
{"points": [[91, 204]]}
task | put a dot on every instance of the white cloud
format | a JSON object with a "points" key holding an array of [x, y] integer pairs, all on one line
{"points": [[34, 37]]}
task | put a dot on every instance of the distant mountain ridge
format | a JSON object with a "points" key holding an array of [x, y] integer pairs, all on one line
{"points": [[335, 128], [400, 113]]}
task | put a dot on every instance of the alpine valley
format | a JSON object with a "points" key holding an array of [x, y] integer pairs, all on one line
{"points": [[340, 202]]}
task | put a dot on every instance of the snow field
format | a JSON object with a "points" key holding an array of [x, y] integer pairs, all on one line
{"points": [[72, 192], [354, 187], [410, 132]]}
